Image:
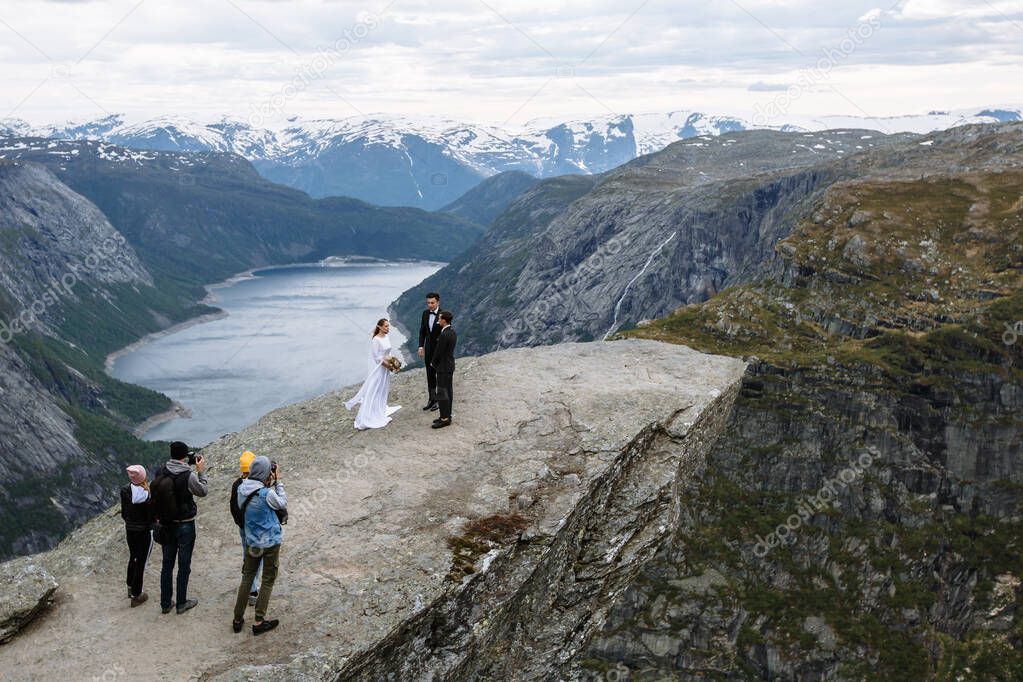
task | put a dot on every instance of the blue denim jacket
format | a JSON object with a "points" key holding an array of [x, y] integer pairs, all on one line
{"points": [[262, 527]]}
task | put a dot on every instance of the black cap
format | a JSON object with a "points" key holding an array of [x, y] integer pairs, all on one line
{"points": [[179, 450]]}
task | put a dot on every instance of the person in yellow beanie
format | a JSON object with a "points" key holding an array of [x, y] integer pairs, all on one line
{"points": [[244, 462]]}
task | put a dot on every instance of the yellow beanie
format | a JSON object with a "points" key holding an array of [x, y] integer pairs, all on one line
{"points": [[246, 460]]}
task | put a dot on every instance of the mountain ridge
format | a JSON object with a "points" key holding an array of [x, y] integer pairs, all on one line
{"points": [[429, 161], [674, 227]]}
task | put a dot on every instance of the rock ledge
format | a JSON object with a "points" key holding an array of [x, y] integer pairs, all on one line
{"points": [[572, 452]]}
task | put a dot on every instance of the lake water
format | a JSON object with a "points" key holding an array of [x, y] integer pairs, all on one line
{"points": [[291, 333]]}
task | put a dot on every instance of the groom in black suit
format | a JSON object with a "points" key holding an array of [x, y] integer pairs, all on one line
{"points": [[444, 365], [429, 330]]}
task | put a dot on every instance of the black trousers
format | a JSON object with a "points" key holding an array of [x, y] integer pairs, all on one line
{"points": [[140, 544], [431, 373], [445, 393]]}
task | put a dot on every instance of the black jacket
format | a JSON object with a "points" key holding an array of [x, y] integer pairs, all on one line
{"points": [[428, 337], [172, 500], [444, 351], [136, 516]]}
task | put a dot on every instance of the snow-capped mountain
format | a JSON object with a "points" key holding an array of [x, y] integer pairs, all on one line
{"points": [[429, 162]]}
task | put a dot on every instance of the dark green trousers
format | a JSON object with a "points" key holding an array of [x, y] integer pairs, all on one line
{"points": [[271, 557]]}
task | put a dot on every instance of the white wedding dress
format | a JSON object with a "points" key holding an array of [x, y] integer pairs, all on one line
{"points": [[374, 412]]}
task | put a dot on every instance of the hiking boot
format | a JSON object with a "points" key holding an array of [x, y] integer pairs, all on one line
{"points": [[265, 626], [139, 600], [190, 604], [165, 609], [253, 597], [236, 625]]}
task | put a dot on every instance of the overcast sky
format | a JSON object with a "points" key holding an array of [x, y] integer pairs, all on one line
{"points": [[504, 61]]}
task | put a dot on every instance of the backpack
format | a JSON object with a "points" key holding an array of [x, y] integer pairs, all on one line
{"points": [[166, 493], [238, 513]]}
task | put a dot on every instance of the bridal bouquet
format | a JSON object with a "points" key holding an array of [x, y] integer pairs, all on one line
{"points": [[392, 363]]}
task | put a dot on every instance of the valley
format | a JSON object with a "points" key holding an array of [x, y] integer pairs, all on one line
{"points": [[865, 281]]}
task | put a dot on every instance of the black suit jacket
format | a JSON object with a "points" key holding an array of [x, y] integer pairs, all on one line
{"points": [[428, 337], [444, 351]]}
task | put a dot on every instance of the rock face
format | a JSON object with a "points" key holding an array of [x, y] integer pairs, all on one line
{"points": [[577, 257], [27, 591], [55, 238], [38, 437], [60, 262], [864, 509], [488, 550]]}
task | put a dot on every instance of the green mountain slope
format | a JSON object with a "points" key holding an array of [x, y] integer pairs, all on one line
{"points": [[202, 218], [570, 260], [490, 198]]}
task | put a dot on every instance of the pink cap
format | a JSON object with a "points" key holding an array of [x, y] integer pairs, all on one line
{"points": [[137, 474]]}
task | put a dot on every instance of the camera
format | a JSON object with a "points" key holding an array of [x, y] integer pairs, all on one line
{"points": [[193, 456]]}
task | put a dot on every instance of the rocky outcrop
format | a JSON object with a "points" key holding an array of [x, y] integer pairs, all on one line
{"points": [[489, 549], [862, 517], [27, 591], [543, 598]]}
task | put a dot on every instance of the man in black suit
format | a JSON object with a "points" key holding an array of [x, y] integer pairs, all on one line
{"points": [[429, 330], [444, 365]]}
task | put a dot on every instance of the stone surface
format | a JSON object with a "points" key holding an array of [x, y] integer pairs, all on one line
{"points": [[598, 435], [27, 589]]}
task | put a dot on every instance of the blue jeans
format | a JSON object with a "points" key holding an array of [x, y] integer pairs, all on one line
{"points": [[259, 570], [179, 547]]}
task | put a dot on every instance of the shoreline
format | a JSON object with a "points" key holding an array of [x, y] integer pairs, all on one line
{"points": [[176, 411], [210, 299], [108, 363], [329, 262]]}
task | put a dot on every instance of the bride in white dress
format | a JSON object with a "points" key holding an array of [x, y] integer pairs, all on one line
{"points": [[374, 412]]}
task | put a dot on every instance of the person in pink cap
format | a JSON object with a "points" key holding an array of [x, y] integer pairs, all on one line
{"points": [[138, 528]]}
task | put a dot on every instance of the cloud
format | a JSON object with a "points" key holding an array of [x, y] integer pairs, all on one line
{"points": [[761, 86], [501, 58]]}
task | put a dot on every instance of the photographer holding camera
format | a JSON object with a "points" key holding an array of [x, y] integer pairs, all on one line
{"points": [[173, 494], [263, 506]]}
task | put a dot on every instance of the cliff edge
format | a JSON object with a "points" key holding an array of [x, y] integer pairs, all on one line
{"points": [[490, 549]]}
